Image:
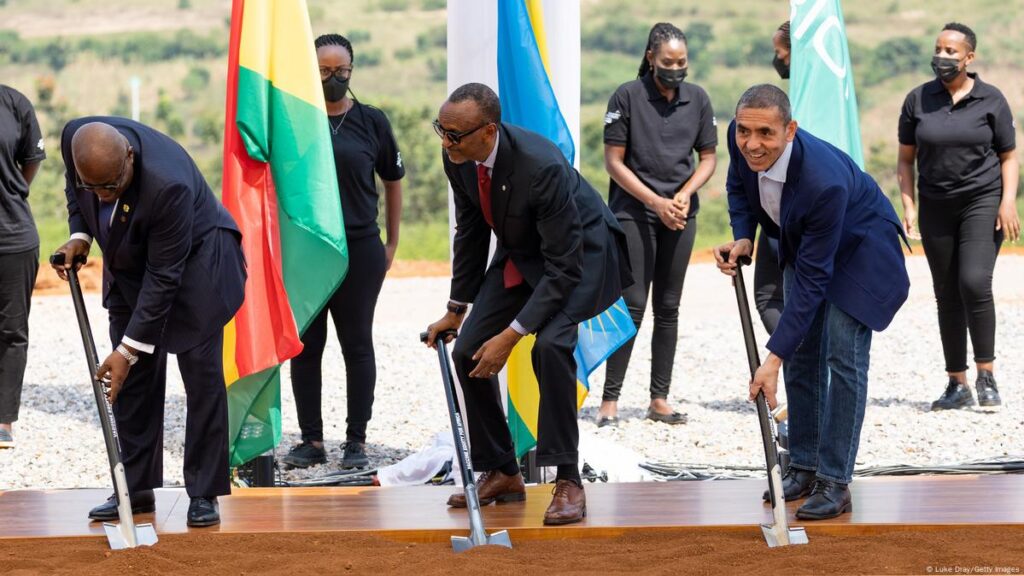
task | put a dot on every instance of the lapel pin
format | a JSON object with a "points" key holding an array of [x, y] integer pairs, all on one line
{"points": [[126, 208], [124, 219], [502, 187]]}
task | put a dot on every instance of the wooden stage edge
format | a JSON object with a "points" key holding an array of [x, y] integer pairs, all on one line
{"points": [[419, 514]]}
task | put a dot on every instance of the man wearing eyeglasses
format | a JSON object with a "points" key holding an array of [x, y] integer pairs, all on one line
{"points": [[557, 264], [173, 276]]}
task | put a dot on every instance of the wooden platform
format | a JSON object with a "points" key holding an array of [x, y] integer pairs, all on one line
{"points": [[420, 513]]}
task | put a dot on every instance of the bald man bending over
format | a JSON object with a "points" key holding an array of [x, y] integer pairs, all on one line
{"points": [[173, 276]]}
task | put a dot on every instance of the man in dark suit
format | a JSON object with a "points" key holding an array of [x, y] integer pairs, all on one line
{"points": [[173, 276], [844, 276], [557, 263]]}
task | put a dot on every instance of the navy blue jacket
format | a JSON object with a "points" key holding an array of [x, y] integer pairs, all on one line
{"points": [[837, 229], [173, 254]]}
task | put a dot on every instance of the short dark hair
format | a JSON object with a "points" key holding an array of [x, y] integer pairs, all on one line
{"points": [[784, 29], [485, 98], [972, 40], [763, 96], [335, 40], [661, 32]]}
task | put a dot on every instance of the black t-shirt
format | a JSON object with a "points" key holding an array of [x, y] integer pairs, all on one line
{"points": [[660, 138], [958, 146], [363, 145], [21, 143]]}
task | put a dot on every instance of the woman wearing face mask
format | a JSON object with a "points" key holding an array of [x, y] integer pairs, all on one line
{"points": [[960, 132], [363, 144], [653, 127]]}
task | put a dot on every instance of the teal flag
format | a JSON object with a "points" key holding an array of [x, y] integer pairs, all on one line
{"points": [[821, 78]]}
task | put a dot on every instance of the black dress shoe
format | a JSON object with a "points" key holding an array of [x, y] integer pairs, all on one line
{"points": [[828, 500], [203, 512], [956, 396], [988, 394], [796, 484], [142, 503]]}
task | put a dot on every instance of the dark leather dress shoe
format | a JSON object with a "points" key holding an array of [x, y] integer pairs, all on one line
{"points": [[493, 486], [203, 512], [568, 505], [142, 503], [956, 396], [796, 484], [828, 500]]}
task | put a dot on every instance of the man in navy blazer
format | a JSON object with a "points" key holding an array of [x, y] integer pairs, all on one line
{"points": [[173, 276], [844, 276], [556, 265]]}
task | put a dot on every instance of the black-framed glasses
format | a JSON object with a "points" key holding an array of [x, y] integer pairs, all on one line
{"points": [[340, 72], [453, 136], [108, 187]]}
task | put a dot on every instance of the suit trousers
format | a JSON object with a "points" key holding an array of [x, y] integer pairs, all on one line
{"points": [[17, 277], [494, 309], [139, 413]]}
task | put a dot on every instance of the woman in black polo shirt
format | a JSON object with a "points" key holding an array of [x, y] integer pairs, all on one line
{"points": [[363, 144], [960, 131], [653, 127], [21, 151]]}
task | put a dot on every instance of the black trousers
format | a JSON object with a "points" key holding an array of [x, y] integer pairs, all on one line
{"points": [[769, 296], [659, 258], [351, 307], [558, 435], [139, 413], [961, 244], [17, 277]]}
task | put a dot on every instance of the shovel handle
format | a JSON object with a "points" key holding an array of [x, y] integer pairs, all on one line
{"points": [[442, 335], [57, 259]]}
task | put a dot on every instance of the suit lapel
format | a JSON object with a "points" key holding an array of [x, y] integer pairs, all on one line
{"points": [[501, 189], [796, 161], [123, 213]]}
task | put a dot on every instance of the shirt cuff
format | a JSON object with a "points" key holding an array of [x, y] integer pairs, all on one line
{"points": [[147, 348], [81, 236], [515, 325]]}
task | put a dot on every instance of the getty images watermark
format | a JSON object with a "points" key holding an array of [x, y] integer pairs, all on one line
{"points": [[957, 569]]}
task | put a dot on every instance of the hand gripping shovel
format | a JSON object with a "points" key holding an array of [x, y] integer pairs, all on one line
{"points": [[126, 534], [477, 535], [778, 533]]}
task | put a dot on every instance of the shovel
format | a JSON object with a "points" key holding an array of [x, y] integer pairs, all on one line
{"points": [[778, 533], [477, 535], [126, 534]]}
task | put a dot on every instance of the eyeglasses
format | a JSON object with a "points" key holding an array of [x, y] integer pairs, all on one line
{"points": [[107, 187], [340, 72], [453, 136]]}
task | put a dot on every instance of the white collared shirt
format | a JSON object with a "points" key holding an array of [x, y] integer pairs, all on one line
{"points": [[489, 162], [770, 183]]}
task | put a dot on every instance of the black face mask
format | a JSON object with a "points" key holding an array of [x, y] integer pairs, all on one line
{"points": [[335, 88], [946, 69], [781, 67], [670, 78]]}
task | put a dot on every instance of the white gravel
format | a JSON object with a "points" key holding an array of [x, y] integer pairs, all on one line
{"points": [[59, 444]]}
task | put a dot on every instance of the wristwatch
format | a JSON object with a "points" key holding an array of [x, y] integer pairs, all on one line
{"points": [[124, 351], [456, 308]]}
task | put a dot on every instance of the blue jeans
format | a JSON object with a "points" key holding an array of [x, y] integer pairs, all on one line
{"points": [[827, 387]]}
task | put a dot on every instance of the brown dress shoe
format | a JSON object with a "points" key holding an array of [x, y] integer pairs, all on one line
{"points": [[493, 486], [568, 505]]}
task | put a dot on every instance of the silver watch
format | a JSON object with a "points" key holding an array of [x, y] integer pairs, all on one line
{"points": [[124, 351]]}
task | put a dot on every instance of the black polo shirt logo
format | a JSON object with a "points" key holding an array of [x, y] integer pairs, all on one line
{"points": [[611, 117]]}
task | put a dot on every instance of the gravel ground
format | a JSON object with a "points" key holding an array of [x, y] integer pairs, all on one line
{"points": [[59, 444]]}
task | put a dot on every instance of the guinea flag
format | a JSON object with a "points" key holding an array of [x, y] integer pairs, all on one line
{"points": [[280, 185]]}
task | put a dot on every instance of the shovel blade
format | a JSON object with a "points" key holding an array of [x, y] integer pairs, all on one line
{"points": [[463, 543], [120, 536], [777, 536]]}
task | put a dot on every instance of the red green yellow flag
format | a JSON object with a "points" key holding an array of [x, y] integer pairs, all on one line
{"points": [[280, 185]]}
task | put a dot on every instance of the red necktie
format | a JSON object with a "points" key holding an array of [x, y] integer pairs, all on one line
{"points": [[483, 179]]}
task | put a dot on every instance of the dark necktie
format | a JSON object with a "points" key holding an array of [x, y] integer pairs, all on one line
{"points": [[106, 211], [483, 179]]}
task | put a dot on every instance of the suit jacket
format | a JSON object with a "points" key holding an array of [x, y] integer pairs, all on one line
{"points": [[552, 224], [837, 229], [173, 254]]}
